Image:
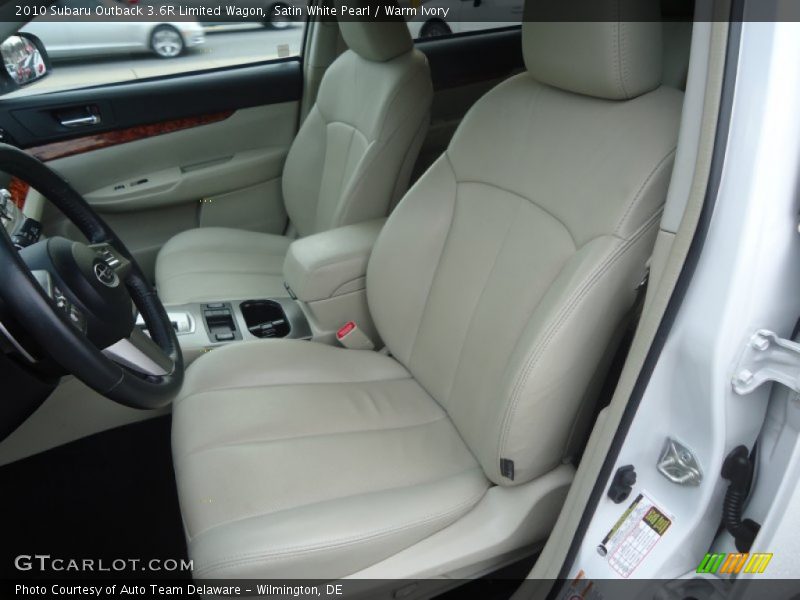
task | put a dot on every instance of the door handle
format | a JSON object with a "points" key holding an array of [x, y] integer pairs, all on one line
{"points": [[86, 121]]}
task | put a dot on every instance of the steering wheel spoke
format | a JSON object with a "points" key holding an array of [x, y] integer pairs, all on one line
{"points": [[141, 354]]}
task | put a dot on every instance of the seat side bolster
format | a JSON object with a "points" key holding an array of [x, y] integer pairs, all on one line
{"points": [[558, 352]]}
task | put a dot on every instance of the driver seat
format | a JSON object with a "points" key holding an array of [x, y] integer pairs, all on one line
{"points": [[496, 285]]}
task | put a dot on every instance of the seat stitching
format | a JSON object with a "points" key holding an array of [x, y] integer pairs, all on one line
{"points": [[402, 83], [219, 271], [446, 159], [531, 200], [266, 441], [346, 283], [292, 384], [569, 306], [639, 192], [354, 255], [215, 251], [287, 200], [484, 288], [291, 551], [340, 183], [376, 142], [379, 144], [377, 149], [367, 492]]}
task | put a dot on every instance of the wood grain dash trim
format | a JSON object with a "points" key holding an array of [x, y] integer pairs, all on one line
{"points": [[122, 136], [18, 190]]}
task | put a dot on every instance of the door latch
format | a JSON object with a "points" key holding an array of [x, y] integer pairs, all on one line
{"points": [[79, 116], [767, 357]]}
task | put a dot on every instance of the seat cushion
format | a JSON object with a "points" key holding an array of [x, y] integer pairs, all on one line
{"points": [[296, 459], [218, 263]]}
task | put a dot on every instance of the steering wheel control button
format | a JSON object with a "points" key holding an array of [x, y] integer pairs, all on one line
{"points": [[77, 318], [72, 313], [60, 299], [109, 255], [87, 284], [27, 234]]}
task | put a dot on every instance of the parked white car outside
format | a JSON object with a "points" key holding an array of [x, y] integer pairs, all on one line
{"points": [[122, 36]]}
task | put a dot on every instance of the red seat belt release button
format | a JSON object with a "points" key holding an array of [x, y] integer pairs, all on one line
{"points": [[350, 336]]}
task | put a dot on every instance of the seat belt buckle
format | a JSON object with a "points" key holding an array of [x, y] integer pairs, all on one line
{"points": [[350, 336]]}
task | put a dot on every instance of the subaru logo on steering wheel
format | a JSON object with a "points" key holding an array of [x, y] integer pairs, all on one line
{"points": [[106, 275]]}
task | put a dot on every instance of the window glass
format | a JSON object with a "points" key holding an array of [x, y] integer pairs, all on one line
{"points": [[86, 49], [440, 18]]}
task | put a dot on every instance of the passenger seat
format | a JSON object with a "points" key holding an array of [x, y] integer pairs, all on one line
{"points": [[350, 162]]}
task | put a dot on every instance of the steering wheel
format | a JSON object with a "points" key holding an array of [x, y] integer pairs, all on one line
{"points": [[76, 300]]}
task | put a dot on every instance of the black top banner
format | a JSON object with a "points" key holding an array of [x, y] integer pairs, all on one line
{"points": [[507, 12]]}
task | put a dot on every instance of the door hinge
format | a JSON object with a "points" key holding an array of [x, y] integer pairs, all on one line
{"points": [[767, 357]]}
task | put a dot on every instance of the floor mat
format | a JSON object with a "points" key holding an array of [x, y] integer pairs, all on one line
{"points": [[108, 496]]}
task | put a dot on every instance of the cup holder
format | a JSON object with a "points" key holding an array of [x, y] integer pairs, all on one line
{"points": [[265, 318]]}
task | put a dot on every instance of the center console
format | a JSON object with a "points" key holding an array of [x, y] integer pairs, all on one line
{"points": [[203, 326], [327, 273], [324, 273]]}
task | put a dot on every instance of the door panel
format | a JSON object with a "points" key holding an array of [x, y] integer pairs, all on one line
{"points": [[203, 149], [225, 173], [33, 120], [97, 141]]}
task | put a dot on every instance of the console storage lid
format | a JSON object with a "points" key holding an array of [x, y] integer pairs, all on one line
{"points": [[331, 263]]}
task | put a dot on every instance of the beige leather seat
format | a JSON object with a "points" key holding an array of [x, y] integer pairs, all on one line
{"points": [[496, 285], [350, 162]]}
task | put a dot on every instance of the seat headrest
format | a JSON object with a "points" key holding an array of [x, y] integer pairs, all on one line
{"points": [[378, 41], [613, 52]]}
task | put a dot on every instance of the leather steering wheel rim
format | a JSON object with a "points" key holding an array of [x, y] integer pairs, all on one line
{"points": [[37, 312]]}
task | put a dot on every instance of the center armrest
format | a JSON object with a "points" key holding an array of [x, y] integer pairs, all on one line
{"points": [[331, 263]]}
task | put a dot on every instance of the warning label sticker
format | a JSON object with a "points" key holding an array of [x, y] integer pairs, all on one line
{"points": [[634, 535], [581, 588]]}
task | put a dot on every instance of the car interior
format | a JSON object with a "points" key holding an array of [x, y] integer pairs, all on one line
{"points": [[401, 277]]}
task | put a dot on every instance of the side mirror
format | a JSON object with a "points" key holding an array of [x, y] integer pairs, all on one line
{"points": [[25, 61]]}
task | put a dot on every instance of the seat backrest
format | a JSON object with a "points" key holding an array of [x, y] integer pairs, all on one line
{"points": [[501, 276], [353, 154]]}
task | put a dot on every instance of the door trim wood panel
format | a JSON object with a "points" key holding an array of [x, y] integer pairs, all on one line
{"points": [[98, 141]]}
